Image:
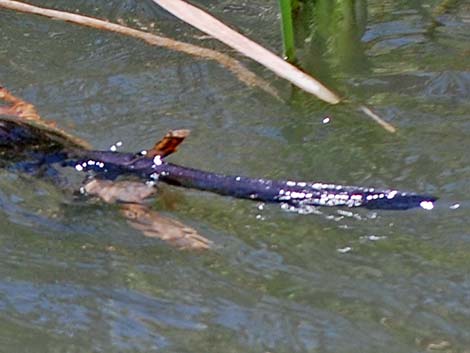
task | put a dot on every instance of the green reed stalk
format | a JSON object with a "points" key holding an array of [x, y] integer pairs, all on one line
{"points": [[287, 29]]}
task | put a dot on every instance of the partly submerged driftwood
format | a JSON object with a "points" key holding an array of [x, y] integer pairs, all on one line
{"points": [[111, 165], [29, 135]]}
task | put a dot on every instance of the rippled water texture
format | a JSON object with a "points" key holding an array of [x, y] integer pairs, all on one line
{"points": [[74, 277]]}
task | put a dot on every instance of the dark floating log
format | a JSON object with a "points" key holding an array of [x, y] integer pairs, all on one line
{"points": [[47, 148], [294, 193], [28, 143], [27, 137]]}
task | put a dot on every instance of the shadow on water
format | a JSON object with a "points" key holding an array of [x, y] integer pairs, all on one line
{"points": [[75, 277]]}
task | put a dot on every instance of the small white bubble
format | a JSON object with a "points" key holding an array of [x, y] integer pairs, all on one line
{"points": [[372, 215], [375, 237], [298, 195], [454, 206], [143, 153], [157, 160], [290, 183], [326, 120], [79, 167], [237, 178], [114, 147], [427, 205], [344, 250], [345, 213]]}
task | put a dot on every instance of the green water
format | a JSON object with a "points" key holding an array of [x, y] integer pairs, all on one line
{"points": [[74, 277]]}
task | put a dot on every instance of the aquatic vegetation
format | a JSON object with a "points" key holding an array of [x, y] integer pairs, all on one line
{"points": [[329, 33], [287, 26], [240, 71], [212, 26]]}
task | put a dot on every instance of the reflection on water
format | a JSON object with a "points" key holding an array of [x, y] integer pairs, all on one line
{"points": [[331, 31], [448, 85], [75, 277]]}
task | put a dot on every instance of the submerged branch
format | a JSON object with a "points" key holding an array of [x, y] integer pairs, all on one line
{"points": [[171, 231], [240, 71], [139, 216]]}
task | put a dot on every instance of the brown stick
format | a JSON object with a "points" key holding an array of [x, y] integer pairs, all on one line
{"points": [[168, 144], [19, 107], [27, 112], [240, 71]]}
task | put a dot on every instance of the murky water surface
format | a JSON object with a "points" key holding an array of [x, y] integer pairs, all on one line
{"points": [[74, 277]]}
